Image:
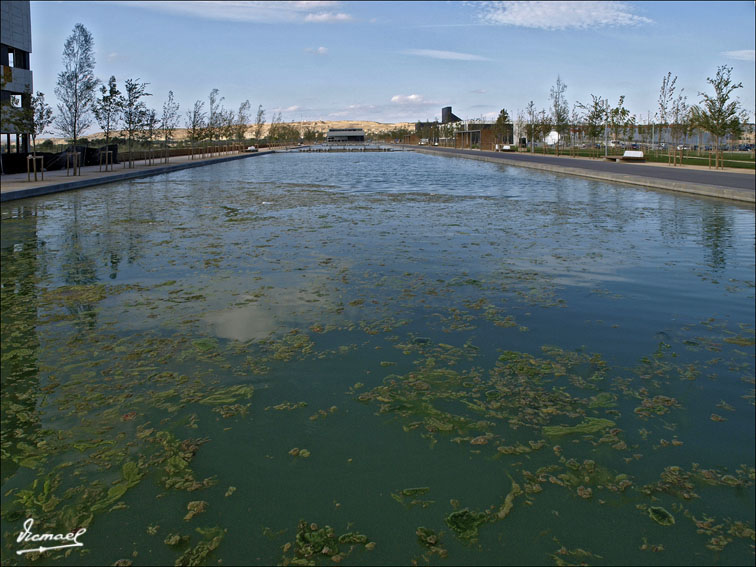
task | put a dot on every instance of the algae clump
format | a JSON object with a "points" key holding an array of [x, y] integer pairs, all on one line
{"points": [[465, 523], [588, 425], [661, 516]]}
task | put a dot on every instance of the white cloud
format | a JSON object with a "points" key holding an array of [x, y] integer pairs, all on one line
{"points": [[741, 54], [559, 15], [414, 99], [327, 17], [479, 91], [250, 11], [317, 50], [449, 55]]}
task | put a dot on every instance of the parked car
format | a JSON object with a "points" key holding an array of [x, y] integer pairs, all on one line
{"points": [[251, 149]]}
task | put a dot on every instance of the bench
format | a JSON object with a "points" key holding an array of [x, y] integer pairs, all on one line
{"points": [[629, 155]]}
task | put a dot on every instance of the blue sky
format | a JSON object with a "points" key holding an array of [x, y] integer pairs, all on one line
{"points": [[403, 61]]}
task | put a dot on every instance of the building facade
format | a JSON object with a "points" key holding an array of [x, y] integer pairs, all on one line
{"points": [[345, 135], [15, 68]]}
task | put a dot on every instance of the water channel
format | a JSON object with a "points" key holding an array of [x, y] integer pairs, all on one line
{"points": [[378, 358]]}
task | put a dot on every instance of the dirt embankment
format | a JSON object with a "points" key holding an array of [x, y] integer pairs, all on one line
{"points": [[322, 126]]}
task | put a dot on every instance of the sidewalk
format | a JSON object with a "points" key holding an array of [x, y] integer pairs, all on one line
{"points": [[15, 185], [733, 184]]}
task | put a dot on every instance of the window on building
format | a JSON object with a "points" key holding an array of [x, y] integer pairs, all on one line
{"points": [[15, 100], [11, 58]]}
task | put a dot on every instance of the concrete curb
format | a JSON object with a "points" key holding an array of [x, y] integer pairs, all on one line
{"points": [[71, 185], [636, 180]]}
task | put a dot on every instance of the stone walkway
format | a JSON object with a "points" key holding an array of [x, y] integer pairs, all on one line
{"points": [[15, 185], [734, 184]]}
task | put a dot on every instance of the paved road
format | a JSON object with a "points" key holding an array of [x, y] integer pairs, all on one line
{"points": [[744, 180]]}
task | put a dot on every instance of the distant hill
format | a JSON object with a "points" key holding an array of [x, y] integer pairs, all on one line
{"points": [[371, 128]]}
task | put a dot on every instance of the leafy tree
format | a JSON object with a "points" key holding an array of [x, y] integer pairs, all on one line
{"points": [[259, 123], [532, 125], [134, 110], [150, 126], [214, 116], [618, 118], [560, 110], [169, 120], [275, 133], [680, 115], [227, 124], [76, 84], [108, 108], [544, 126], [595, 117], [196, 121], [242, 121], [502, 126], [717, 114], [33, 118]]}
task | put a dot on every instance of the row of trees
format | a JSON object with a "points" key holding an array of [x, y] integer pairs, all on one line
{"points": [[717, 113], [124, 112]]}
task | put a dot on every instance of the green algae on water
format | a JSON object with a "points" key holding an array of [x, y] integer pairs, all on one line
{"points": [[661, 516], [587, 426], [465, 523]]}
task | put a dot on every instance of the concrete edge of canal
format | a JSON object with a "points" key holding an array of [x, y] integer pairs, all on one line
{"points": [[101, 180], [699, 189]]}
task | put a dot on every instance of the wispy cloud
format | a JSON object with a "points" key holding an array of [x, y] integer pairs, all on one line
{"points": [[317, 50], [559, 15], [741, 54], [251, 11], [479, 91], [450, 55]]}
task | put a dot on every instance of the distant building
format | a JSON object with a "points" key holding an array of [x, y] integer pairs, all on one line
{"points": [[447, 116], [15, 48], [345, 135]]}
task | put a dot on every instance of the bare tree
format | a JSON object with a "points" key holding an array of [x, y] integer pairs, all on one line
{"points": [[666, 96], [76, 84], [169, 121], [108, 108], [560, 110]]}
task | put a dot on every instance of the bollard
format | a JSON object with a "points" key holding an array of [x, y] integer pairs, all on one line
{"points": [[34, 160], [72, 161], [108, 155]]}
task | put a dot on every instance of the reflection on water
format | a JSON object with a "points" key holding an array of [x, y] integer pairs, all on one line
{"points": [[399, 358]]}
